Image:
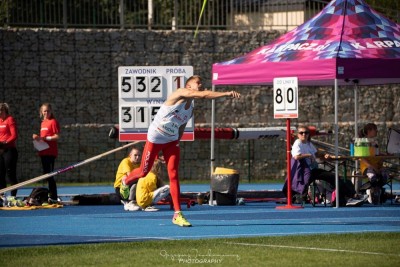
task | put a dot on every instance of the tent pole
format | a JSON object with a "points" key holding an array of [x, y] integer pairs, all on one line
{"points": [[212, 156], [288, 166], [355, 110], [356, 180], [336, 145]]}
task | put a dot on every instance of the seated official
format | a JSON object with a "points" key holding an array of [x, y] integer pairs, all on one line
{"points": [[305, 170]]}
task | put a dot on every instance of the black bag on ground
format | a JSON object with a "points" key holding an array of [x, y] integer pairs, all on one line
{"points": [[225, 183], [38, 196], [346, 188]]}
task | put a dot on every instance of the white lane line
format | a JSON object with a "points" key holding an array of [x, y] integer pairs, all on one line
{"points": [[311, 248]]}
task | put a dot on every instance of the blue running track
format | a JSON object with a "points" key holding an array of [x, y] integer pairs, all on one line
{"points": [[110, 223]]}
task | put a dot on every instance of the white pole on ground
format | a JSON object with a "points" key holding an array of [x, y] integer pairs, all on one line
{"points": [[62, 170]]}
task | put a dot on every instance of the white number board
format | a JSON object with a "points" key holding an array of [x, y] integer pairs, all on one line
{"points": [[286, 98], [141, 92]]}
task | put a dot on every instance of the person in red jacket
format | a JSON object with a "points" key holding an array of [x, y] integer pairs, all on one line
{"points": [[49, 133], [8, 150]]}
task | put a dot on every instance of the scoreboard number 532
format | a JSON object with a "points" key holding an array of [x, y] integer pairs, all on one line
{"points": [[141, 87]]}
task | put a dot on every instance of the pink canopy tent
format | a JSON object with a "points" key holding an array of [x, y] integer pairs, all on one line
{"points": [[347, 42]]}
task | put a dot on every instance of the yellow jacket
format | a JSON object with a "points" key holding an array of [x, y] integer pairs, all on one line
{"points": [[375, 162], [126, 166], [144, 190]]}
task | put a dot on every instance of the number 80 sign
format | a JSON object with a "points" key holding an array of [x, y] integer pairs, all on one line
{"points": [[285, 98]]}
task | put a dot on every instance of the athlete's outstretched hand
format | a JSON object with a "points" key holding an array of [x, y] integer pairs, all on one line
{"points": [[234, 94]]}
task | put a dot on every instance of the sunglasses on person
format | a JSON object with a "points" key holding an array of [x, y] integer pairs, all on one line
{"points": [[306, 132]]}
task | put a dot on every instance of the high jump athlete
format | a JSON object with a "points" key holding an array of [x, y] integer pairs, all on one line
{"points": [[164, 134]]}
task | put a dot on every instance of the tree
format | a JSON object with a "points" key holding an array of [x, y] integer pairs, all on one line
{"points": [[388, 8]]}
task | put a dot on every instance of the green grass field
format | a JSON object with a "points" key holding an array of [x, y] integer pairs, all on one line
{"points": [[351, 250]]}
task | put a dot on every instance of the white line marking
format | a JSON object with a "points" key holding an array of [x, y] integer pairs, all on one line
{"points": [[310, 248], [129, 239]]}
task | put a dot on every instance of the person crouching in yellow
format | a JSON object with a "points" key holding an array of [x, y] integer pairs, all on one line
{"points": [[151, 189], [128, 164]]}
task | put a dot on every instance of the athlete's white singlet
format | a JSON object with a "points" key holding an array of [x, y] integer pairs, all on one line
{"points": [[166, 123]]}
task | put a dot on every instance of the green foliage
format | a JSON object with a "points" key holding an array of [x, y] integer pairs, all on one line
{"points": [[389, 8], [106, 12], [393, 4], [3, 13]]}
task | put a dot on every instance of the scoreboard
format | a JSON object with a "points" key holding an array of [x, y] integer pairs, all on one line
{"points": [[141, 92]]}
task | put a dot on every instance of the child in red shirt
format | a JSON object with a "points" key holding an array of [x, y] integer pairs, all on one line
{"points": [[49, 133]]}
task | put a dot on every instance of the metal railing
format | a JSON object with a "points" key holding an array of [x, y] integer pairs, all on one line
{"points": [[158, 14], [165, 14]]}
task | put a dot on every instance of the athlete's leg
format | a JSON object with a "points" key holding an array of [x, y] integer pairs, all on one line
{"points": [[149, 154], [160, 193], [132, 192], [48, 167], [172, 155], [9, 166]]}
